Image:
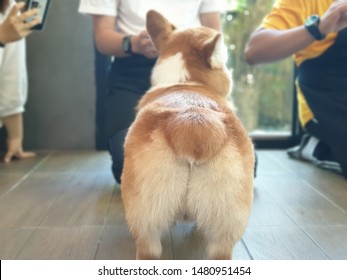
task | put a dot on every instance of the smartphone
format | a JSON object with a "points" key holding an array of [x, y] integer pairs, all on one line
{"points": [[43, 6]]}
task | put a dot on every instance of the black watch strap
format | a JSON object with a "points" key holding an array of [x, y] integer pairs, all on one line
{"points": [[311, 26], [126, 45]]}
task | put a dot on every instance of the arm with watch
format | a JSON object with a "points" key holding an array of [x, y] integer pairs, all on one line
{"points": [[268, 45], [113, 43]]}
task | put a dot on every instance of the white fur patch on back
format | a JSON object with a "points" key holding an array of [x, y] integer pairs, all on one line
{"points": [[220, 55], [171, 70]]}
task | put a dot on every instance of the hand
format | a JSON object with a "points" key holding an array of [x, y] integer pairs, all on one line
{"points": [[14, 27], [142, 44], [335, 18]]}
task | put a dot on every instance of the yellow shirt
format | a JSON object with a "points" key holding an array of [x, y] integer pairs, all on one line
{"points": [[287, 14]]}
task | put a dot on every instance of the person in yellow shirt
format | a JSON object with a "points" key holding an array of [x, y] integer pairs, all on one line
{"points": [[315, 33]]}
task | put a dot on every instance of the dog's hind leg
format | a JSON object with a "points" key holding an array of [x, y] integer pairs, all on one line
{"points": [[220, 197], [148, 246], [219, 247], [154, 185]]}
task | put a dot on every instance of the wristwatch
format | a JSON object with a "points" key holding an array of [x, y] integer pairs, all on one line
{"points": [[126, 45], [311, 25], [2, 45]]}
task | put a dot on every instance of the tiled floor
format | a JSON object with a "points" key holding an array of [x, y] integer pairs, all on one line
{"points": [[65, 205]]}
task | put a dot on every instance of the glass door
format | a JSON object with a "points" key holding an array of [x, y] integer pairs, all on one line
{"points": [[263, 94]]}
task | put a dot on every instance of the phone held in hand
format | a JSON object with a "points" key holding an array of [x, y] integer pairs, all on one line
{"points": [[43, 6]]}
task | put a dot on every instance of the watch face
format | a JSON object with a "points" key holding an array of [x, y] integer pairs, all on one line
{"points": [[311, 24], [312, 20]]}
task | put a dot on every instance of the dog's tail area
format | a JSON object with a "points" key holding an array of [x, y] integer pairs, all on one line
{"points": [[195, 133]]}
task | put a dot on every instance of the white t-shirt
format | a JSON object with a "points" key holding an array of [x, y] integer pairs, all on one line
{"points": [[131, 14], [13, 76]]}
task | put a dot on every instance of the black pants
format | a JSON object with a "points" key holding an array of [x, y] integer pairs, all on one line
{"points": [[129, 79], [324, 85], [120, 115]]}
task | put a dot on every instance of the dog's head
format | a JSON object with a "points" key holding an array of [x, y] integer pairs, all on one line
{"points": [[194, 55]]}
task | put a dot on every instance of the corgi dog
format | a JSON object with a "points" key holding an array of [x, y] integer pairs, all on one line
{"points": [[187, 154]]}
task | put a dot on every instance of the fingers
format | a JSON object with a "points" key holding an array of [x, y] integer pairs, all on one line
{"points": [[21, 25], [20, 20], [145, 46], [16, 8], [144, 33], [28, 14], [150, 52], [28, 25], [334, 18], [146, 42], [340, 6], [145, 39]]}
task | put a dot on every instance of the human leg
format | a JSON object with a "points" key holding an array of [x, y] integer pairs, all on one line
{"points": [[15, 131], [129, 79], [120, 115], [315, 146]]}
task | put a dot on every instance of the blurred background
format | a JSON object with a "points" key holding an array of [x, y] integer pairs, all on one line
{"points": [[67, 79], [263, 94]]}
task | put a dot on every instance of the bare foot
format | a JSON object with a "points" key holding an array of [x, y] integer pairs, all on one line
{"points": [[20, 155], [15, 150]]}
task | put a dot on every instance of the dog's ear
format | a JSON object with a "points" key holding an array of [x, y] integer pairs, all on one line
{"points": [[158, 27], [215, 52]]}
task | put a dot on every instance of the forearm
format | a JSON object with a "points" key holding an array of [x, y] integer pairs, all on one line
{"points": [[109, 42], [266, 45]]}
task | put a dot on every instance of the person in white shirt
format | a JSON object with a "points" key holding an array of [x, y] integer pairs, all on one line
{"points": [[13, 74], [119, 31]]}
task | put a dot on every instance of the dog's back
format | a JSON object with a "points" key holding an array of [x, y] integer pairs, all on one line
{"points": [[186, 152]]}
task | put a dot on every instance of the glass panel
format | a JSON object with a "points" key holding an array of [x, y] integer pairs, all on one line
{"points": [[263, 94]]}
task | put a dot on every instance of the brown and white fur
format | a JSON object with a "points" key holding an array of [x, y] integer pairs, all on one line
{"points": [[186, 152]]}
